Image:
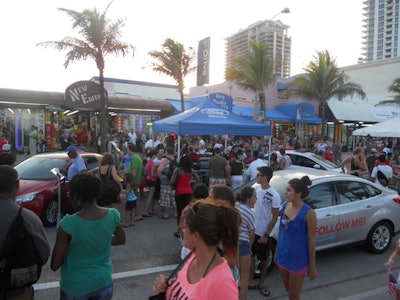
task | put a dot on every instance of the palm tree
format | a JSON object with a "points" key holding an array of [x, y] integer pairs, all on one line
{"points": [[253, 72], [394, 88], [322, 81], [174, 61], [98, 37]]}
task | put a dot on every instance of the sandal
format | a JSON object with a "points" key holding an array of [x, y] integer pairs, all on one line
{"points": [[264, 291], [163, 217], [251, 287]]}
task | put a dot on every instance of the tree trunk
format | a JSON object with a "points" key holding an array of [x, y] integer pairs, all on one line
{"points": [[261, 99], [182, 99], [103, 114], [323, 117]]}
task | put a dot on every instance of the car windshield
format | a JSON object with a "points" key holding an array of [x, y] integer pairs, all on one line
{"points": [[38, 168], [325, 161]]}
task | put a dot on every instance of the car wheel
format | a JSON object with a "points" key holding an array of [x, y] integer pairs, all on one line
{"points": [[270, 260], [49, 213], [379, 237]]}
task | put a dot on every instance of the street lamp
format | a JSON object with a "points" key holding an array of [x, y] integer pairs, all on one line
{"points": [[286, 10]]}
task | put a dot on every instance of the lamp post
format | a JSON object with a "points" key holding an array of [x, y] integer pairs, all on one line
{"points": [[286, 10]]}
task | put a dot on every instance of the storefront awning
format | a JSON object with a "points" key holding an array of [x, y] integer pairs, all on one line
{"points": [[13, 97], [243, 111], [131, 105], [300, 112], [277, 115], [367, 112]]}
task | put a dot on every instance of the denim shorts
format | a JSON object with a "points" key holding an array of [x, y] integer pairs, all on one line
{"points": [[105, 293], [244, 248]]}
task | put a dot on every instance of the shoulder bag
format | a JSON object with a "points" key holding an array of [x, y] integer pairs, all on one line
{"points": [[110, 188], [162, 296]]}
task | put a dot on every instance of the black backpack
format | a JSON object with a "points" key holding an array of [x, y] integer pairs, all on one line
{"points": [[173, 164], [20, 262], [382, 178]]}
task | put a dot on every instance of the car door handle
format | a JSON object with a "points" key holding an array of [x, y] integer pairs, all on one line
{"points": [[328, 216]]}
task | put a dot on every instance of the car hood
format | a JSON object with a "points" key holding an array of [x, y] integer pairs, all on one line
{"points": [[34, 186]]}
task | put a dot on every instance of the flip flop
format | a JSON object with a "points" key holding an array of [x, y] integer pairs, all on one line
{"points": [[162, 217], [251, 287], [146, 216], [264, 291]]}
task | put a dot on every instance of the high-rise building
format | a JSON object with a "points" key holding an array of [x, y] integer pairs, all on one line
{"points": [[381, 29], [273, 33]]}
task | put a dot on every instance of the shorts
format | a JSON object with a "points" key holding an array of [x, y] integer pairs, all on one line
{"points": [[105, 293], [216, 181], [151, 183], [261, 250], [130, 205], [303, 271], [244, 248], [166, 197]]}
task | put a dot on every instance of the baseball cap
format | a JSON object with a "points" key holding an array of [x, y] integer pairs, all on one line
{"points": [[71, 149], [6, 147], [261, 154]]}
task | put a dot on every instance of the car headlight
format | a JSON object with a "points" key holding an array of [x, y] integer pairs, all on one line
{"points": [[26, 198]]}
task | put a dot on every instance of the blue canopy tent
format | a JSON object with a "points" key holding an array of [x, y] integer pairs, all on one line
{"points": [[208, 119]]}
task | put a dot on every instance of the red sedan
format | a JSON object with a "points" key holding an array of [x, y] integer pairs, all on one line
{"points": [[38, 189]]}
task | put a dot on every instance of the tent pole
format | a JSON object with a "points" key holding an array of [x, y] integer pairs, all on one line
{"points": [[179, 147]]}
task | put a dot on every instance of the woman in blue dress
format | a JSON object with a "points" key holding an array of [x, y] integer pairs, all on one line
{"points": [[295, 253]]}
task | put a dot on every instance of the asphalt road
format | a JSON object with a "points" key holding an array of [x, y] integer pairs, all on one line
{"points": [[344, 273], [348, 273]]}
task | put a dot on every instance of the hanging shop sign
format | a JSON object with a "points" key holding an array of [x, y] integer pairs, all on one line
{"points": [[83, 95]]}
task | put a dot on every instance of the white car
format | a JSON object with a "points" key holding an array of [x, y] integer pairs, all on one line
{"points": [[310, 160], [349, 209]]}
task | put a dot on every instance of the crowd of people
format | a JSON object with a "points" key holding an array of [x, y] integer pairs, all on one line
{"points": [[220, 232]]}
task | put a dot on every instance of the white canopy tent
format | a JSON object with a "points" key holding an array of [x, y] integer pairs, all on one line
{"points": [[388, 128]]}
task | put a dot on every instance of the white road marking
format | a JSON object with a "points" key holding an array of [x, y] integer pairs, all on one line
{"points": [[55, 284]]}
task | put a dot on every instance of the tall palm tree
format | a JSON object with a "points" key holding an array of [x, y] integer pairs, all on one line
{"points": [[98, 37], [254, 72], [394, 88], [322, 81], [174, 61]]}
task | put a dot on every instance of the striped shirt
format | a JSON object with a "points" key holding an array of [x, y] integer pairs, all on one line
{"points": [[248, 221]]}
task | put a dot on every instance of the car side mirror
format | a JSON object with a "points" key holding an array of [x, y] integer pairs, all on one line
{"points": [[317, 166]]}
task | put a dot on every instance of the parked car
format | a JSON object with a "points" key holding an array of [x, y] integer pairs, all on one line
{"points": [[310, 160], [349, 209], [38, 189]]}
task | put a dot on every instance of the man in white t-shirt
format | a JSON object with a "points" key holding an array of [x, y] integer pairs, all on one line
{"points": [[251, 171], [201, 148], [132, 136], [385, 169], [152, 143], [267, 212]]}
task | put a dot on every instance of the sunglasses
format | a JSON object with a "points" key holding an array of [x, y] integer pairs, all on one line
{"points": [[258, 175]]}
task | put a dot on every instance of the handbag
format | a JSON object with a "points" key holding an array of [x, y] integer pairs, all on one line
{"points": [[162, 296], [110, 188]]}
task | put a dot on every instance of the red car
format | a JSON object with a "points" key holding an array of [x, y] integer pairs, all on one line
{"points": [[38, 189]]}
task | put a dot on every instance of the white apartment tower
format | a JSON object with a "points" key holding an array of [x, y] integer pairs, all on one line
{"points": [[380, 29], [273, 33]]}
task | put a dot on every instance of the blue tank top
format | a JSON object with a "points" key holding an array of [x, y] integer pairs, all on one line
{"points": [[292, 252]]}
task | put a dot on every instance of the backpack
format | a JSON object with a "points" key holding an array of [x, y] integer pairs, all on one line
{"points": [[20, 262], [382, 178], [173, 164]]}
